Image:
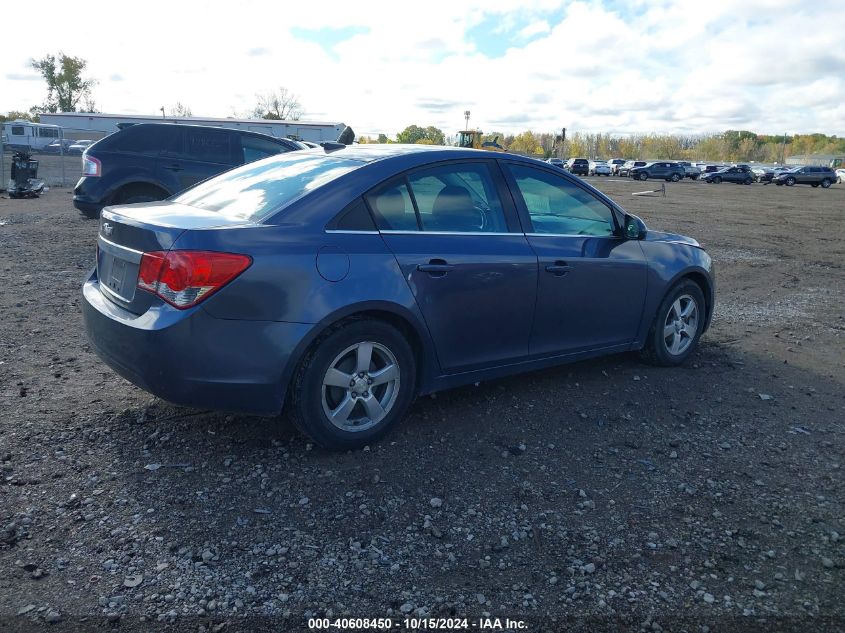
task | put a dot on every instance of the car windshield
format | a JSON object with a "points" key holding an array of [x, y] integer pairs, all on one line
{"points": [[253, 191]]}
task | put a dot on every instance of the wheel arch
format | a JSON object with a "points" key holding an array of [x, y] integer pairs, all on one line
{"points": [[705, 282], [140, 184], [396, 315]]}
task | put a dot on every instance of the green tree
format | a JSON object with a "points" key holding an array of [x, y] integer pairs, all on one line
{"points": [[15, 115], [416, 134], [382, 138], [65, 85]]}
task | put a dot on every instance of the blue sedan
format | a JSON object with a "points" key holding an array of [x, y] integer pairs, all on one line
{"points": [[340, 283]]}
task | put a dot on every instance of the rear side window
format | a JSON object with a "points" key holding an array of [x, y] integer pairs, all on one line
{"points": [[207, 145], [392, 207], [558, 206], [458, 198], [149, 140], [254, 191], [453, 198], [256, 148], [17, 130]]}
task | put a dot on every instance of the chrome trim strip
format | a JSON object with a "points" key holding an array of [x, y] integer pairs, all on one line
{"points": [[350, 232], [604, 237], [450, 233], [121, 251]]}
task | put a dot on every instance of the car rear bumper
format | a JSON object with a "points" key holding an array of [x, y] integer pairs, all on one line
{"points": [[191, 358]]}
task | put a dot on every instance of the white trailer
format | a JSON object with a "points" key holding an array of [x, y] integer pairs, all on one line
{"points": [[100, 125], [28, 136]]}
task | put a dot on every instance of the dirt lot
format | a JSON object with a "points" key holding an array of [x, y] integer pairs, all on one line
{"points": [[604, 495]]}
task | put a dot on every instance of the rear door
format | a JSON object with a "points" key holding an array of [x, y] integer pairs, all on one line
{"points": [[456, 237], [591, 283], [197, 153]]}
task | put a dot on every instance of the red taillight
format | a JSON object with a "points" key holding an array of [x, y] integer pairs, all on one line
{"points": [[91, 166], [184, 278]]}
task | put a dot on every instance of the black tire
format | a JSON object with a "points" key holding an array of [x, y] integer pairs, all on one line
{"points": [[695, 177], [675, 178], [790, 181], [656, 350], [307, 389], [716, 180], [642, 176], [825, 183], [140, 193], [747, 181]]}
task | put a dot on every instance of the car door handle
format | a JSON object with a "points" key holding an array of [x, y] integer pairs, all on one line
{"points": [[558, 269], [173, 168], [436, 267]]}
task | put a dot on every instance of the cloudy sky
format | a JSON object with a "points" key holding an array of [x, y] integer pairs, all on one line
{"points": [[611, 65]]}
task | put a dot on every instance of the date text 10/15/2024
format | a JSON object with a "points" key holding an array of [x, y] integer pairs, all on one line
{"points": [[416, 624]]}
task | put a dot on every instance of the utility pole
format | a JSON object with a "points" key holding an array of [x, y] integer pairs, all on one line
{"points": [[466, 119], [783, 150], [562, 143]]}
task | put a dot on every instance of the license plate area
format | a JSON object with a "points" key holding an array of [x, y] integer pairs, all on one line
{"points": [[116, 271]]}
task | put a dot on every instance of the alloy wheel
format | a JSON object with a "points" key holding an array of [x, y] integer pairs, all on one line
{"points": [[360, 386], [680, 325]]}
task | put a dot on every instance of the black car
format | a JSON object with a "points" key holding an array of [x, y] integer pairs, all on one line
{"points": [[579, 166], [739, 175], [665, 170], [815, 176], [153, 161]]}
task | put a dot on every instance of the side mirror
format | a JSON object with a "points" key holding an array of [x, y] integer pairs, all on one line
{"points": [[635, 228]]}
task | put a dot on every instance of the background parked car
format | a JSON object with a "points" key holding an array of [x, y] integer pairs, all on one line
{"points": [[58, 146], [693, 172], [578, 166], [763, 174], [173, 306], [77, 147], [815, 176], [615, 164], [709, 169], [599, 168], [557, 162], [840, 176], [668, 171], [628, 165], [152, 161], [738, 175]]}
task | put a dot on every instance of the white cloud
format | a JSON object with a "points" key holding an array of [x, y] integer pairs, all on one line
{"points": [[649, 66]]}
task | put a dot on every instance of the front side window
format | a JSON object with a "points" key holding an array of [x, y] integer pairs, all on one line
{"points": [[558, 206], [17, 130]]}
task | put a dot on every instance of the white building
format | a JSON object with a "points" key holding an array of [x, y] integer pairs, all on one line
{"points": [[96, 125]]}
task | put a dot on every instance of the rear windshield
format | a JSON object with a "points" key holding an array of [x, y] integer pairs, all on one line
{"points": [[258, 189]]}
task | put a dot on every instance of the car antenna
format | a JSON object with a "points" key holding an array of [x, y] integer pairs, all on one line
{"points": [[347, 137]]}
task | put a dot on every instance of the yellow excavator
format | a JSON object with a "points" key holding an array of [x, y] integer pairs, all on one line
{"points": [[472, 140]]}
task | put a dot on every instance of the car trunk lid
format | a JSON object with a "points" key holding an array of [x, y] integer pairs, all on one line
{"points": [[127, 232]]}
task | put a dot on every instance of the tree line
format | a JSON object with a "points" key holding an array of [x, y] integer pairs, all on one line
{"points": [[728, 146], [69, 90]]}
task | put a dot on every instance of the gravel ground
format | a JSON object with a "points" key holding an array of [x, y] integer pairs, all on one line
{"points": [[604, 495]]}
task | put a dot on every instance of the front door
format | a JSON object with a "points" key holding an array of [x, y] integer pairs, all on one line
{"points": [[592, 282], [470, 268]]}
